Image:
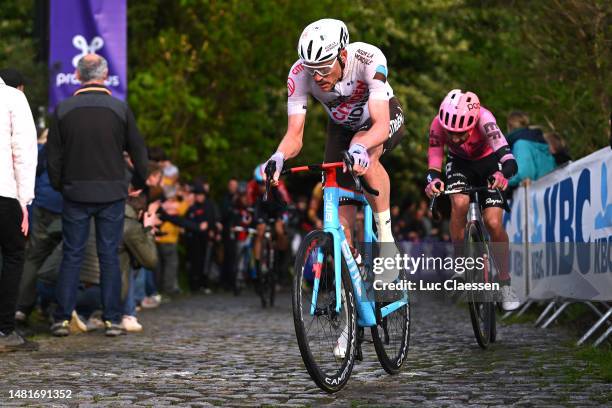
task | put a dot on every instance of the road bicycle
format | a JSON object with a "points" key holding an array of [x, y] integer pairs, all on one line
{"points": [[332, 295], [477, 244], [265, 277], [244, 269]]}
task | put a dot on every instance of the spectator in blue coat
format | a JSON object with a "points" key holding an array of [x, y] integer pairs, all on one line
{"points": [[529, 148]]}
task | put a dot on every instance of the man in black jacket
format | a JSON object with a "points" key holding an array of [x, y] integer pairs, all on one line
{"points": [[89, 133]]}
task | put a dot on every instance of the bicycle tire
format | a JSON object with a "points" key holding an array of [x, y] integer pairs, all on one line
{"points": [[272, 274], [493, 335], [381, 338], [241, 268], [480, 312], [341, 370], [265, 272]]}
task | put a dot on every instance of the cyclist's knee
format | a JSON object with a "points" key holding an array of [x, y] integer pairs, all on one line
{"points": [[494, 225], [459, 205]]}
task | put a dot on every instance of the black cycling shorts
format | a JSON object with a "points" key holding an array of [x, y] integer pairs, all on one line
{"points": [[473, 173], [267, 210], [339, 139]]}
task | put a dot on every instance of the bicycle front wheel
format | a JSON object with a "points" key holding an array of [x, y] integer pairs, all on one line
{"points": [[481, 303], [325, 333]]}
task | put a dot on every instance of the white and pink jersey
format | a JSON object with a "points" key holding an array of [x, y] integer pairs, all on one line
{"points": [[365, 78], [484, 139]]}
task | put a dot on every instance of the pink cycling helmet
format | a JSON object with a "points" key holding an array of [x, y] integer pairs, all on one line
{"points": [[459, 111]]}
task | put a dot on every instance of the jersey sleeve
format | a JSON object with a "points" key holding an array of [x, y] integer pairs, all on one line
{"points": [[435, 152], [376, 72], [297, 90], [487, 125]]}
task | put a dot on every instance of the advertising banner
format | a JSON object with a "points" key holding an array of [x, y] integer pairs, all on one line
{"points": [[514, 223], [572, 208], [80, 27]]}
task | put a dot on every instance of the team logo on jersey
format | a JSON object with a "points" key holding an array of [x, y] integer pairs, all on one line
{"points": [[290, 86], [298, 68], [364, 57], [492, 130], [350, 111]]}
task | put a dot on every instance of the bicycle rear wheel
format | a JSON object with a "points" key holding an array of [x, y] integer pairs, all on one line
{"points": [[320, 329], [241, 267], [481, 303], [391, 337], [265, 279]]}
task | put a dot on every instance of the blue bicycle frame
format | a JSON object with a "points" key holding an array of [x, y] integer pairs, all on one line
{"points": [[365, 307]]}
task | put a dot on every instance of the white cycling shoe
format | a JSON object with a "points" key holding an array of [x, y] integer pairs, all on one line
{"points": [[510, 300], [341, 344]]}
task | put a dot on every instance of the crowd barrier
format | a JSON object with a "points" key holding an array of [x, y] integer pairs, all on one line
{"points": [[560, 231]]}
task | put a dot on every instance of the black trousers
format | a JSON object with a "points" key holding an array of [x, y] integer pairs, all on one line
{"points": [[12, 243], [197, 261]]}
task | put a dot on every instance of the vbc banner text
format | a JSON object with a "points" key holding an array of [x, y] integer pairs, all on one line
{"points": [[560, 231]]}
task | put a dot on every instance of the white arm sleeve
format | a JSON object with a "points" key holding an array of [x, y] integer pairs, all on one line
{"points": [[297, 90], [25, 151]]}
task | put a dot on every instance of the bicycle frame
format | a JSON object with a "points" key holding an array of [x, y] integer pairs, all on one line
{"points": [[366, 309], [475, 213]]}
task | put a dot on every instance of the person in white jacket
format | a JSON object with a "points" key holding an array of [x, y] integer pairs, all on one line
{"points": [[18, 159]]}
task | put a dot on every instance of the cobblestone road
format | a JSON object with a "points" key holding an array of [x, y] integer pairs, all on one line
{"points": [[225, 351]]}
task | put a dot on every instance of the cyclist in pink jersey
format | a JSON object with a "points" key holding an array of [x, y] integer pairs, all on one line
{"points": [[477, 150]]}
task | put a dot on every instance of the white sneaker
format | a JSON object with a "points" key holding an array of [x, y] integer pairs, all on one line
{"points": [[130, 324], [94, 323], [20, 316], [510, 300], [341, 344], [150, 302]]}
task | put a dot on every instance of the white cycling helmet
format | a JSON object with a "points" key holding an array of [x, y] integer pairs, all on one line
{"points": [[322, 40]]}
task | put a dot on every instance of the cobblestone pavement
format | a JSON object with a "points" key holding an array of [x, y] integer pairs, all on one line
{"points": [[225, 351]]}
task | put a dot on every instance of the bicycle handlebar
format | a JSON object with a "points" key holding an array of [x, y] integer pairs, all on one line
{"points": [[269, 171], [360, 181], [469, 190]]}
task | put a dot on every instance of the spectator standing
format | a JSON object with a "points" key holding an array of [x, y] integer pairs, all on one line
{"points": [[18, 156], [88, 134], [557, 147], [201, 216], [529, 149], [229, 242], [45, 231], [167, 247], [137, 250]]}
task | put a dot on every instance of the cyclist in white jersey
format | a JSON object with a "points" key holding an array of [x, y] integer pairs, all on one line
{"points": [[350, 80]]}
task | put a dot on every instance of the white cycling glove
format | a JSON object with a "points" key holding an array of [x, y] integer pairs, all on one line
{"points": [[279, 159], [360, 155]]}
